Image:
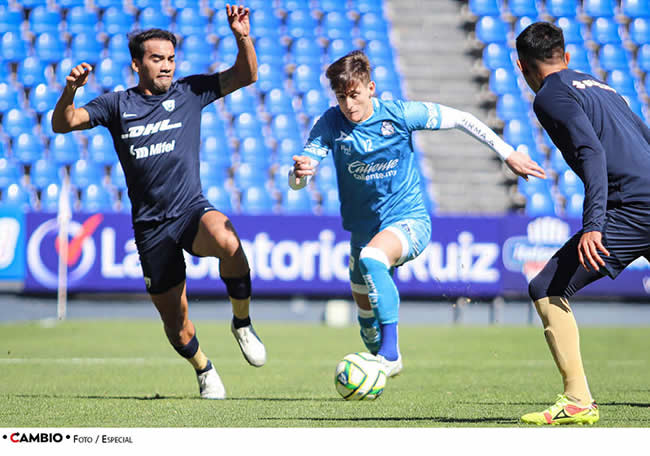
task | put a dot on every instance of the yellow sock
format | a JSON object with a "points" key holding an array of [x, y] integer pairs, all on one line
{"points": [[199, 361], [562, 337], [240, 307]]}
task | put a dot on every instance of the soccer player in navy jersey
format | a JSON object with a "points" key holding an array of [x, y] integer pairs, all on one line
{"points": [[156, 132], [608, 146], [379, 187]]}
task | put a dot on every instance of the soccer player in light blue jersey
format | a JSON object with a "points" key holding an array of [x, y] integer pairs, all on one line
{"points": [[379, 188]]}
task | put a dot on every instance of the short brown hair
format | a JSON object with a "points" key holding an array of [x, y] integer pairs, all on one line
{"points": [[348, 70]]}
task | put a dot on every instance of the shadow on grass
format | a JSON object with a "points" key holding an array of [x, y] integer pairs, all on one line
{"points": [[433, 419], [183, 398], [629, 404]]}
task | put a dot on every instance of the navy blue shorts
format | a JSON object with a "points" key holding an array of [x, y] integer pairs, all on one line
{"points": [[626, 235], [161, 244]]}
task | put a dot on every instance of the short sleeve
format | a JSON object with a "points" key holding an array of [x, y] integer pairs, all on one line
{"points": [[102, 109], [319, 142], [422, 115], [205, 86]]}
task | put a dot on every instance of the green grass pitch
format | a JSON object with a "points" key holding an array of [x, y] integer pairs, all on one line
{"points": [[124, 374]]}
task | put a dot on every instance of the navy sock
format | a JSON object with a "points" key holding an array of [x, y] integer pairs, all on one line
{"points": [[241, 322], [189, 350], [389, 341], [205, 369]]}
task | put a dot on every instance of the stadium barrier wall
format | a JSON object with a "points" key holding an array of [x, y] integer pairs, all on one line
{"points": [[306, 255]]}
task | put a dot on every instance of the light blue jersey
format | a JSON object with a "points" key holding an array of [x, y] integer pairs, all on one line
{"points": [[377, 169]]}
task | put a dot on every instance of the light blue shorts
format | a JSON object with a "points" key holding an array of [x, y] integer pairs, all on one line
{"points": [[414, 235]]}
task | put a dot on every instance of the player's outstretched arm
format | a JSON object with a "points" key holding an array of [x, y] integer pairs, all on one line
{"points": [[303, 168], [65, 116], [244, 71]]}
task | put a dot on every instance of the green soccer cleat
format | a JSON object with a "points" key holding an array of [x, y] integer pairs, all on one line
{"points": [[564, 411]]}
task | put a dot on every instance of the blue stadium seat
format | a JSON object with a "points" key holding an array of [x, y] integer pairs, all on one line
{"points": [[46, 124], [265, 19], [301, 23], [496, 55], [518, 131], [379, 52], [367, 6], [42, 174], [277, 101], [269, 76], [117, 178], [604, 30], [86, 47], [557, 161], [571, 29], [45, 20], [109, 73], [69, 4], [117, 21], [216, 150], [339, 47], [574, 205], [248, 176], [254, 152], [212, 124], [491, 29], [17, 121], [247, 124], [227, 49], [622, 82], [269, 50], [532, 186], [296, 202], [281, 173], [635, 8], [10, 19], [373, 26], [4, 150], [503, 81], [152, 17], [28, 4], [643, 58], [636, 105], [386, 79], [50, 197], [62, 70], [613, 57], [101, 149], [569, 183], [188, 68], [190, 21], [198, 49], [306, 51], [305, 78], [31, 72], [105, 4], [579, 58], [85, 94], [14, 48], [95, 198], [285, 126], [599, 8], [27, 148], [287, 148], [42, 98], [64, 149], [336, 25], [640, 31], [118, 49], [522, 22], [330, 204], [9, 173], [82, 20], [49, 47], [220, 25], [562, 8], [219, 198], [521, 8], [325, 177], [315, 102], [213, 174], [8, 97], [485, 7], [540, 204], [511, 106], [84, 173], [327, 6], [16, 195], [257, 201]]}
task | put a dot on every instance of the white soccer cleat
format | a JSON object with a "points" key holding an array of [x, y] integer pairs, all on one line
{"points": [[392, 368], [210, 385], [250, 344]]}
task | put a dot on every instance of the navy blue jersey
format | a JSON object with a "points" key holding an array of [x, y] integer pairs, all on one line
{"points": [[157, 138], [602, 140]]}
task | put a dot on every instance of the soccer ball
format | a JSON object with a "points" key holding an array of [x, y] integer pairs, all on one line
{"points": [[359, 376]]}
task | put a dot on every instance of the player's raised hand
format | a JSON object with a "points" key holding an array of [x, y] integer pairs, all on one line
{"points": [[303, 166], [522, 165], [239, 20], [78, 76]]}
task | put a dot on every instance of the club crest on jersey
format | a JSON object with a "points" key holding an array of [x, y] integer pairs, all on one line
{"points": [[169, 105], [387, 128]]}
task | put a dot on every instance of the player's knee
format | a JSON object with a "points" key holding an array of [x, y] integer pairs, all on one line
{"points": [[537, 288], [371, 258]]}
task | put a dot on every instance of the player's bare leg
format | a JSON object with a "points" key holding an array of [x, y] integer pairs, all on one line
{"points": [[217, 237], [173, 309]]}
